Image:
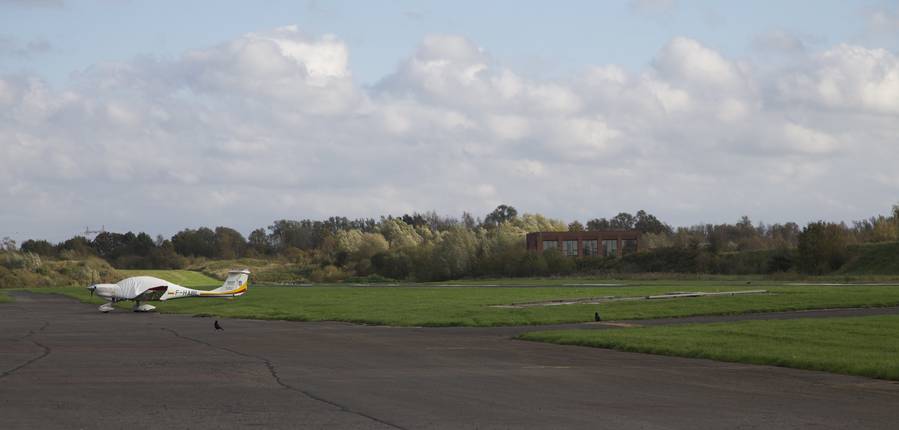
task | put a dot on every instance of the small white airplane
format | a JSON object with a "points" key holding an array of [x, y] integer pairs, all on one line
{"points": [[147, 288]]}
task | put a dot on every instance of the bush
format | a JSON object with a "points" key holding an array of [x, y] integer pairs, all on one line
{"points": [[532, 264], [328, 273], [558, 264], [741, 263], [873, 258], [676, 260], [29, 271], [392, 264], [822, 248], [21, 260], [370, 279], [598, 265], [39, 247], [781, 261]]}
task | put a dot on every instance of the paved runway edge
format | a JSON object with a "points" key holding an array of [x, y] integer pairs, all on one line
{"points": [[67, 366]]}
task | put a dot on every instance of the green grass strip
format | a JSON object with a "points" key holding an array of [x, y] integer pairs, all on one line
{"points": [[863, 346], [470, 306]]}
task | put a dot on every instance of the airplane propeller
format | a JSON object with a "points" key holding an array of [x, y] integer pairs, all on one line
{"points": [[91, 289]]}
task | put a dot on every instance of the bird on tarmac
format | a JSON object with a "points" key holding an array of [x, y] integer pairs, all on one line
{"points": [[217, 326], [596, 316]]}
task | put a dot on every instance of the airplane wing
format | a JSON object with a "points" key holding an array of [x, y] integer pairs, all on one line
{"points": [[153, 293], [143, 288]]}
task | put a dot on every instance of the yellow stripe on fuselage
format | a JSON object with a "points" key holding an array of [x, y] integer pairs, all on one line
{"points": [[239, 290]]}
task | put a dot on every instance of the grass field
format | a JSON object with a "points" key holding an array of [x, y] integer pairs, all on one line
{"points": [[872, 259], [864, 346], [185, 278], [5, 298], [469, 306]]}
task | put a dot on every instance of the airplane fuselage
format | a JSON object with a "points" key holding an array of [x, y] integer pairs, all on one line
{"points": [[148, 288], [115, 293], [106, 292]]}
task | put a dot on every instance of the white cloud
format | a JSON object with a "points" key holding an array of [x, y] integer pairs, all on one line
{"points": [[807, 140], [509, 127], [686, 60], [669, 98], [528, 168], [582, 139], [323, 59], [271, 125], [847, 78], [298, 72]]}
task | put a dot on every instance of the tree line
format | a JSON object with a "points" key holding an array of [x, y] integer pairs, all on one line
{"points": [[428, 246]]}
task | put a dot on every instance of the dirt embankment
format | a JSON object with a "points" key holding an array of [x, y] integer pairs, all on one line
{"points": [[27, 270]]}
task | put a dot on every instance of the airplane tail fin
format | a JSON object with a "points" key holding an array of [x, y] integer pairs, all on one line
{"points": [[235, 285]]}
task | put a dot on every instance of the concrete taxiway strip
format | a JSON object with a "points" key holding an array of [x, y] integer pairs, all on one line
{"points": [[64, 365], [815, 313]]}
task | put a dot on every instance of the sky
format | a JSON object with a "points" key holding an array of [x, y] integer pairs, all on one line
{"points": [[160, 116]]}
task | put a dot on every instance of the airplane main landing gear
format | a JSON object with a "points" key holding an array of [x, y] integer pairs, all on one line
{"points": [[143, 308]]}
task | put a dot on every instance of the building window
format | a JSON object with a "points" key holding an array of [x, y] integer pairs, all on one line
{"points": [[550, 244], [610, 248], [591, 247], [570, 248], [628, 246]]}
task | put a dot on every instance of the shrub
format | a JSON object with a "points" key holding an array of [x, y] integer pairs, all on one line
{"points": [[21, 260], [780, 261], [392, 264], [822, 248], [558, 264], [328, 273], [370, 279], [532, 264], [677, 260]]}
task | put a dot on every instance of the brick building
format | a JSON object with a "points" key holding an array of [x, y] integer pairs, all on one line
{"points": [[585, 243]]}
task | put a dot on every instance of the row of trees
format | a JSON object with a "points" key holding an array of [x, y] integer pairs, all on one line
{"points": [[428, 246]]}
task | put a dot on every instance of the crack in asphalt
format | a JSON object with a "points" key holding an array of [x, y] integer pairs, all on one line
{"points": [[274, 374], [46, 351]]}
